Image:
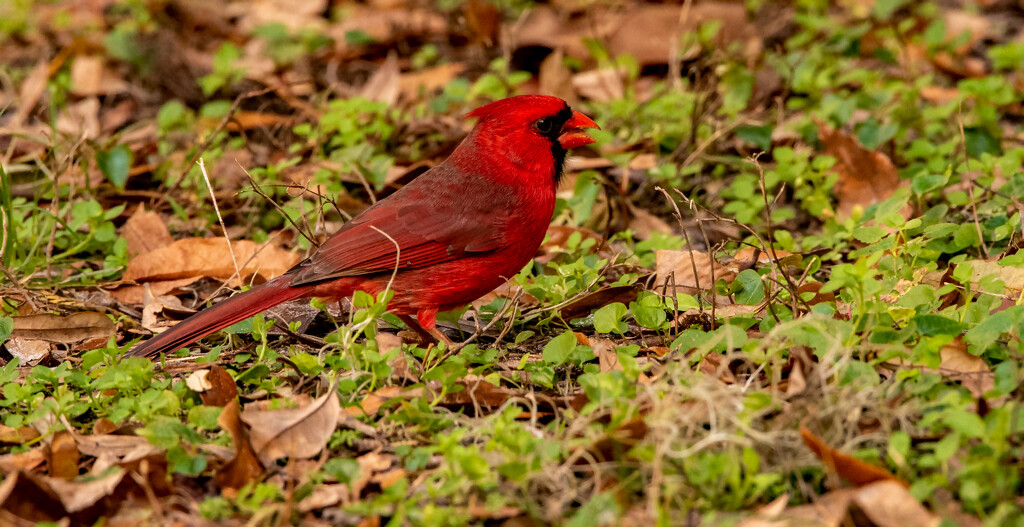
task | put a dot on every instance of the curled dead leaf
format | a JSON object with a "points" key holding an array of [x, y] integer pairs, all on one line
{"points": [[292, 432], [64, 330], [688, 271], [846, 466], [865, 176], [210, 258]]}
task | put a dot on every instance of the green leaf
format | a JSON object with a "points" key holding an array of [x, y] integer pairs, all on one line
{"points": [[749, 288], [115, 164], [932, 325], [994, 326], [761, 136], [608, 319], [6, 328], [980, 141], [558, 349]]}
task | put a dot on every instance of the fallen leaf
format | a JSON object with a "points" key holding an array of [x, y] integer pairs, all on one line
{"points": [[601, 85], [78, 496], [1012, 276], [846, 466], [865, 176], [29, 352], [17, 436], [135, 294], [27, 498], [969, 370], [90, 77], [555, 78], [220, 388], [244, 467], [885, 503], [294, 16], [644, 224], [384, 85], [607, 359], [242, 121], [31, 91], [28, 460], [210, 258], [959, 22], [688, 271], [81, 119], [62, 460], [63, 330], [292, 432], [600, 298]]}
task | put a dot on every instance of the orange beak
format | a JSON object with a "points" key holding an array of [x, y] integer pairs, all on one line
{"points": [[572, 134]]}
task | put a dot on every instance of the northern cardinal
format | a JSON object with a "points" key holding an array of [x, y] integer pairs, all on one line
{"points": [[458, 230]]}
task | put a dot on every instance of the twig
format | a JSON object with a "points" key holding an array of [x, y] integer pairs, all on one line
{"points": [[970, 188], [213, 198]]}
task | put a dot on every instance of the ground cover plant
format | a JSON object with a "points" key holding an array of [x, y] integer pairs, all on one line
{"points": [[784, 288]]}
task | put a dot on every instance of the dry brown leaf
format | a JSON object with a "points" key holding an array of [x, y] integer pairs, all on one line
{"points": [[210, 258], [483, 19], [81, 119], [325, 495], [959, 22], [478, 392], [244, 467], [644, 224], [886, 504], [647, 32], [214, 386], [555, 78], [294, 15], [153, 305], [600, 85], [90, 77], [970, 370], [64, 330], [600, 298], [78, 496], [386, 26], [29, 352], [865, 176], [136, 294], [29, 499], [384, 85], [17, 436], [606, 356], [508, 290], [939, 94], [846, 466], [688, 271], [31, 91], [292, 432], [28, 460], [241, 121], [145, 231], [1012, 276], [62, 460]]}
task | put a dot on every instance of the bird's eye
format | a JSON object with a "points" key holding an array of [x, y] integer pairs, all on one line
{"points": [[543, 125]]}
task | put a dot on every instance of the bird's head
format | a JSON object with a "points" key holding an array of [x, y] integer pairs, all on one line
{"points": [[530, 132]]}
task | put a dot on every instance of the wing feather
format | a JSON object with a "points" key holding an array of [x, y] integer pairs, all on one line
{"points": [[429, 221]]}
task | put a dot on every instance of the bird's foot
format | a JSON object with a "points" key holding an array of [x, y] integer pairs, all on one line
{"points": [[427, 336]]}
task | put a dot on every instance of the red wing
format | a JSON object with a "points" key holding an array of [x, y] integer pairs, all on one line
{"points": [[425, 231]]}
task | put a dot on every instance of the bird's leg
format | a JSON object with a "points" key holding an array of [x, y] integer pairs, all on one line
{"points": [[427, 336]]}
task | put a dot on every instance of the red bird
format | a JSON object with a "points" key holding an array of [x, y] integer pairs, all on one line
{"points": [[458, 230]]}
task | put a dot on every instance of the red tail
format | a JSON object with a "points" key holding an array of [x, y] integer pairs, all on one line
{"points": [[222, 315]]}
